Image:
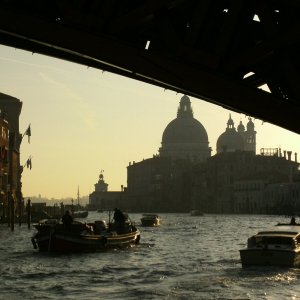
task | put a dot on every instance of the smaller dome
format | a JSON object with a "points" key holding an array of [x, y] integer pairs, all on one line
{"points": [[241, 127], [230, 141]]}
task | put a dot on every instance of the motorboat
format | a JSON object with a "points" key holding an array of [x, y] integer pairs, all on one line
{"points": [[275, 247], [54, 236], [150, 220]]}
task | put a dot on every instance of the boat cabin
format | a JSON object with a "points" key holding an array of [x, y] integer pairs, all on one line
{"points": [[276, 239]]}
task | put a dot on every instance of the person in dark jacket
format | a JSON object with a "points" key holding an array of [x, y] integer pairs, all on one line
{"points": [[67, 219], [119, 216]]}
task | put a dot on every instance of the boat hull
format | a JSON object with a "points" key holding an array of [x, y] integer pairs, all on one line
{"points": [[67, 241], [270, 257]]}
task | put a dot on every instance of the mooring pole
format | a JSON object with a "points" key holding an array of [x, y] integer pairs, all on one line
{"points": [[20, 210], [8, 205], [12, 212], [28, 211]]}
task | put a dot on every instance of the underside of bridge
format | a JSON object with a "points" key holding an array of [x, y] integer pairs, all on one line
{"points": [[221, 51]]}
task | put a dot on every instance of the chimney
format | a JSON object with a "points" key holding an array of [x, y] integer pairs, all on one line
{"points": [[289, 153], [284, 154], [295, 156]]}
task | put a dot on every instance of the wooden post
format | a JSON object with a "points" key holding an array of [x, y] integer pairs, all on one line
{"points": [[62, 208], [72, 209], [11, 203], [12, 212], [20, 210], [8, 206], [28, 210]]}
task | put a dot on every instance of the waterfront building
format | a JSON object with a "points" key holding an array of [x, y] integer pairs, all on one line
{"points": [[282, 199], [4, 166], [163, 183], [102, 199], [237, 182], [184, 176], [12, 107], [159, 184]]}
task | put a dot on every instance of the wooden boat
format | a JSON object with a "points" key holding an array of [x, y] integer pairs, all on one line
{"points": [[150, 220], [53, 236], [280, 247]]}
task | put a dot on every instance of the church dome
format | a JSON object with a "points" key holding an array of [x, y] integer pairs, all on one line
{"points": [[185, 128], [185, 131], [185, 137], [230, 140]]}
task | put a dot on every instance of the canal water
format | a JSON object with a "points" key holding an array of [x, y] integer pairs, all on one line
{"points": [[186, 258]]}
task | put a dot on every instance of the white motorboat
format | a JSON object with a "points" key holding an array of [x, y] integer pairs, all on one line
{"points": [[150, 220], [280, 247]]}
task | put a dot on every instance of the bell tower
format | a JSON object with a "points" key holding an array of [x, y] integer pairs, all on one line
{"points": [[101, 185], [250, 137]]}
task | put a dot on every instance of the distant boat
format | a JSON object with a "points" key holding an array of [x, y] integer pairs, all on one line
{"points": [[196, 212], [150, 220], [80, 214]]}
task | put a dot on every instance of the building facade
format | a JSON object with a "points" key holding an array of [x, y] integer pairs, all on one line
{"points": [[4, 166], [163, 183], [238, 182], [12, 107], [11, 187]]}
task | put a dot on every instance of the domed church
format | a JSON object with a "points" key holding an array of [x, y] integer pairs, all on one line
{"points": [[237, 140], [185, 137]]}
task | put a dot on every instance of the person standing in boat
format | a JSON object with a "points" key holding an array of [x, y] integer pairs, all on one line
{"points": [[119, 220], [293, 221], [67, 219], [119, 217]]}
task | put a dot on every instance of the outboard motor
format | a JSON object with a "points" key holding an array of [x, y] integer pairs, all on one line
{"points": [[100, 226]]}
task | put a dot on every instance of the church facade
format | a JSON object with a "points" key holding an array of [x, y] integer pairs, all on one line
{"points": [[163, 183]]}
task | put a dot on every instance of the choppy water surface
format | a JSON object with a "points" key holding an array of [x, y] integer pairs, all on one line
{"points": [[186, 258]]}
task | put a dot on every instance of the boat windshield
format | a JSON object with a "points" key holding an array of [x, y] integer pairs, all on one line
{"points": [[150, 216], [278, 240]]}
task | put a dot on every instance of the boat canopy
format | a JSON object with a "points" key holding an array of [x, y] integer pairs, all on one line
{"points": [[292, 234]]}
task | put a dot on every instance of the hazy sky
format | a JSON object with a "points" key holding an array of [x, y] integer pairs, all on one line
{"points": [[84, 121]]}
